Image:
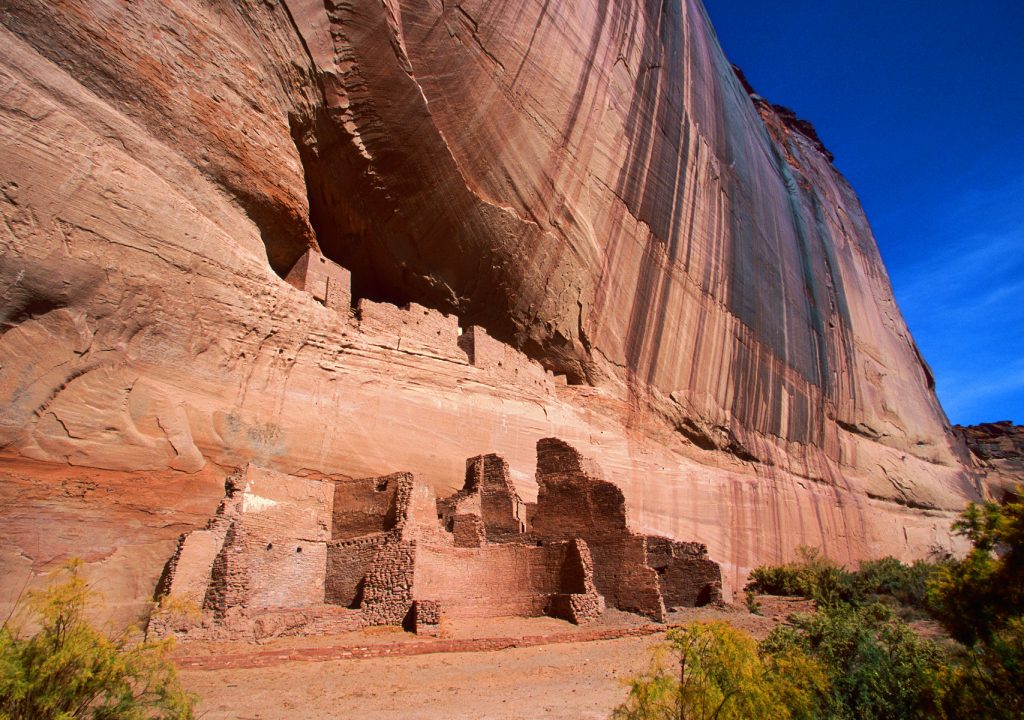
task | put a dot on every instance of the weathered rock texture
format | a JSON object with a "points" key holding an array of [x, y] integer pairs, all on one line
{"points": [[999, 449], [283, 552], [656, 266]]}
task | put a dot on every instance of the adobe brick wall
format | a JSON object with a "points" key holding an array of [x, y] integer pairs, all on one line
{"points": [[574, 501], [503, 362], [686, 575], [364, 506], [326, 281]]}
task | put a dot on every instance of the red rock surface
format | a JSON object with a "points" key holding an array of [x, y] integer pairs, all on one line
{"points": [[588, 182], [999, 449]]}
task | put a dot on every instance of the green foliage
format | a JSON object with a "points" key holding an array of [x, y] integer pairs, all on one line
{"points": [[980, 601], [813, 576], [975, 598], [67, 669], [876, 665], [829, 584], [717, 672], [889, 578], [753, 605], [987, 680]]}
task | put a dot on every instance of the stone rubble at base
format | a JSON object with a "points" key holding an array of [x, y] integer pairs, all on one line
{"points": [[287, 555]]}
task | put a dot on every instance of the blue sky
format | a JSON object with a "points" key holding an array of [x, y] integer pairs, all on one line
{"points": [[922, 103]]}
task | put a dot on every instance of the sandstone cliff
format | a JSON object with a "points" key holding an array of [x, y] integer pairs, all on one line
{"points": [[659, 268], [999, 449]]}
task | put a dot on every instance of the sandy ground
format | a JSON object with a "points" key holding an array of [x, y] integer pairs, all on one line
{"points": [[567, 680]]}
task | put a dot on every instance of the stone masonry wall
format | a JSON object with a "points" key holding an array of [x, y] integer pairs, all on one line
{"points": [[686, 575], [348, 562], [574, 501], [284, 551], [414, 328], [493, 580], [363, 507], [325, 280], [503, 361], [489, 494]]}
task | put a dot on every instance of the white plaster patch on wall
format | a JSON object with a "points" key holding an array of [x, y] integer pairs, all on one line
{"points": [[255, 503]]}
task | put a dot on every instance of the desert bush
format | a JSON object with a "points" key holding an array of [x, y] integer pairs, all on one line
{"points": [[890, 578], [976, 597], [812, 576], [877, 667], [68, 669], [753, 604], [987, 681], [815, 577], [980, 601], [711, 670]]}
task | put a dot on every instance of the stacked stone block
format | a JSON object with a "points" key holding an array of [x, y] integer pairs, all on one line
{"points": [[326, 281], [285, 553]]}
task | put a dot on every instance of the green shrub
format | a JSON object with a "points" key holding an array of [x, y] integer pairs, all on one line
{"points": [[67, 669], [980, 601], [986, 682], [877, 666], [717, 672], [977, 596], [813, 576], [888, 577], [753, 605]]}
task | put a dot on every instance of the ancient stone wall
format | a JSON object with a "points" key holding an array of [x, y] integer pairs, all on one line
{"points": [[282, 548], [363, 507], [574, 501], [687, 577], [274, 550], [326, 281], [493, 580], [387, 593], [503, 362], [348, 562], [413, 328], [489, 495]]}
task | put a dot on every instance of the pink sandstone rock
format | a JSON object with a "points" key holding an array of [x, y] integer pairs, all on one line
{"points": [[588, 184]]}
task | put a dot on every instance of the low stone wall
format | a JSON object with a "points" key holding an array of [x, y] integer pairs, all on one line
{"points": [[686, 575], [348, 562], [285, 551]]}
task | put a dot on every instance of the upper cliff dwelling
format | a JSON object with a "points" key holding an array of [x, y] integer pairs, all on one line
{"points": [[291, 555]]}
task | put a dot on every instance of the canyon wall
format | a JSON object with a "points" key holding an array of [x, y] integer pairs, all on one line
{"points": [[557, 219]]}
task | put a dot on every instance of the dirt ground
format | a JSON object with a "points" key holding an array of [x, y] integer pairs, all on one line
{"points": [[565, 679]]}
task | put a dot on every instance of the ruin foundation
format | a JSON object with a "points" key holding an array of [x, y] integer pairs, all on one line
{"points": [[287, 555]]}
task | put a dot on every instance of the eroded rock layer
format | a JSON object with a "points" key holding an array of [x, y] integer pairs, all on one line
{"points": [[603, 236], [999, 449]]}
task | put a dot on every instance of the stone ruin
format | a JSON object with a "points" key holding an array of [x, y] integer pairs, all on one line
{"points": [[287, 555], [418, 329]]}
